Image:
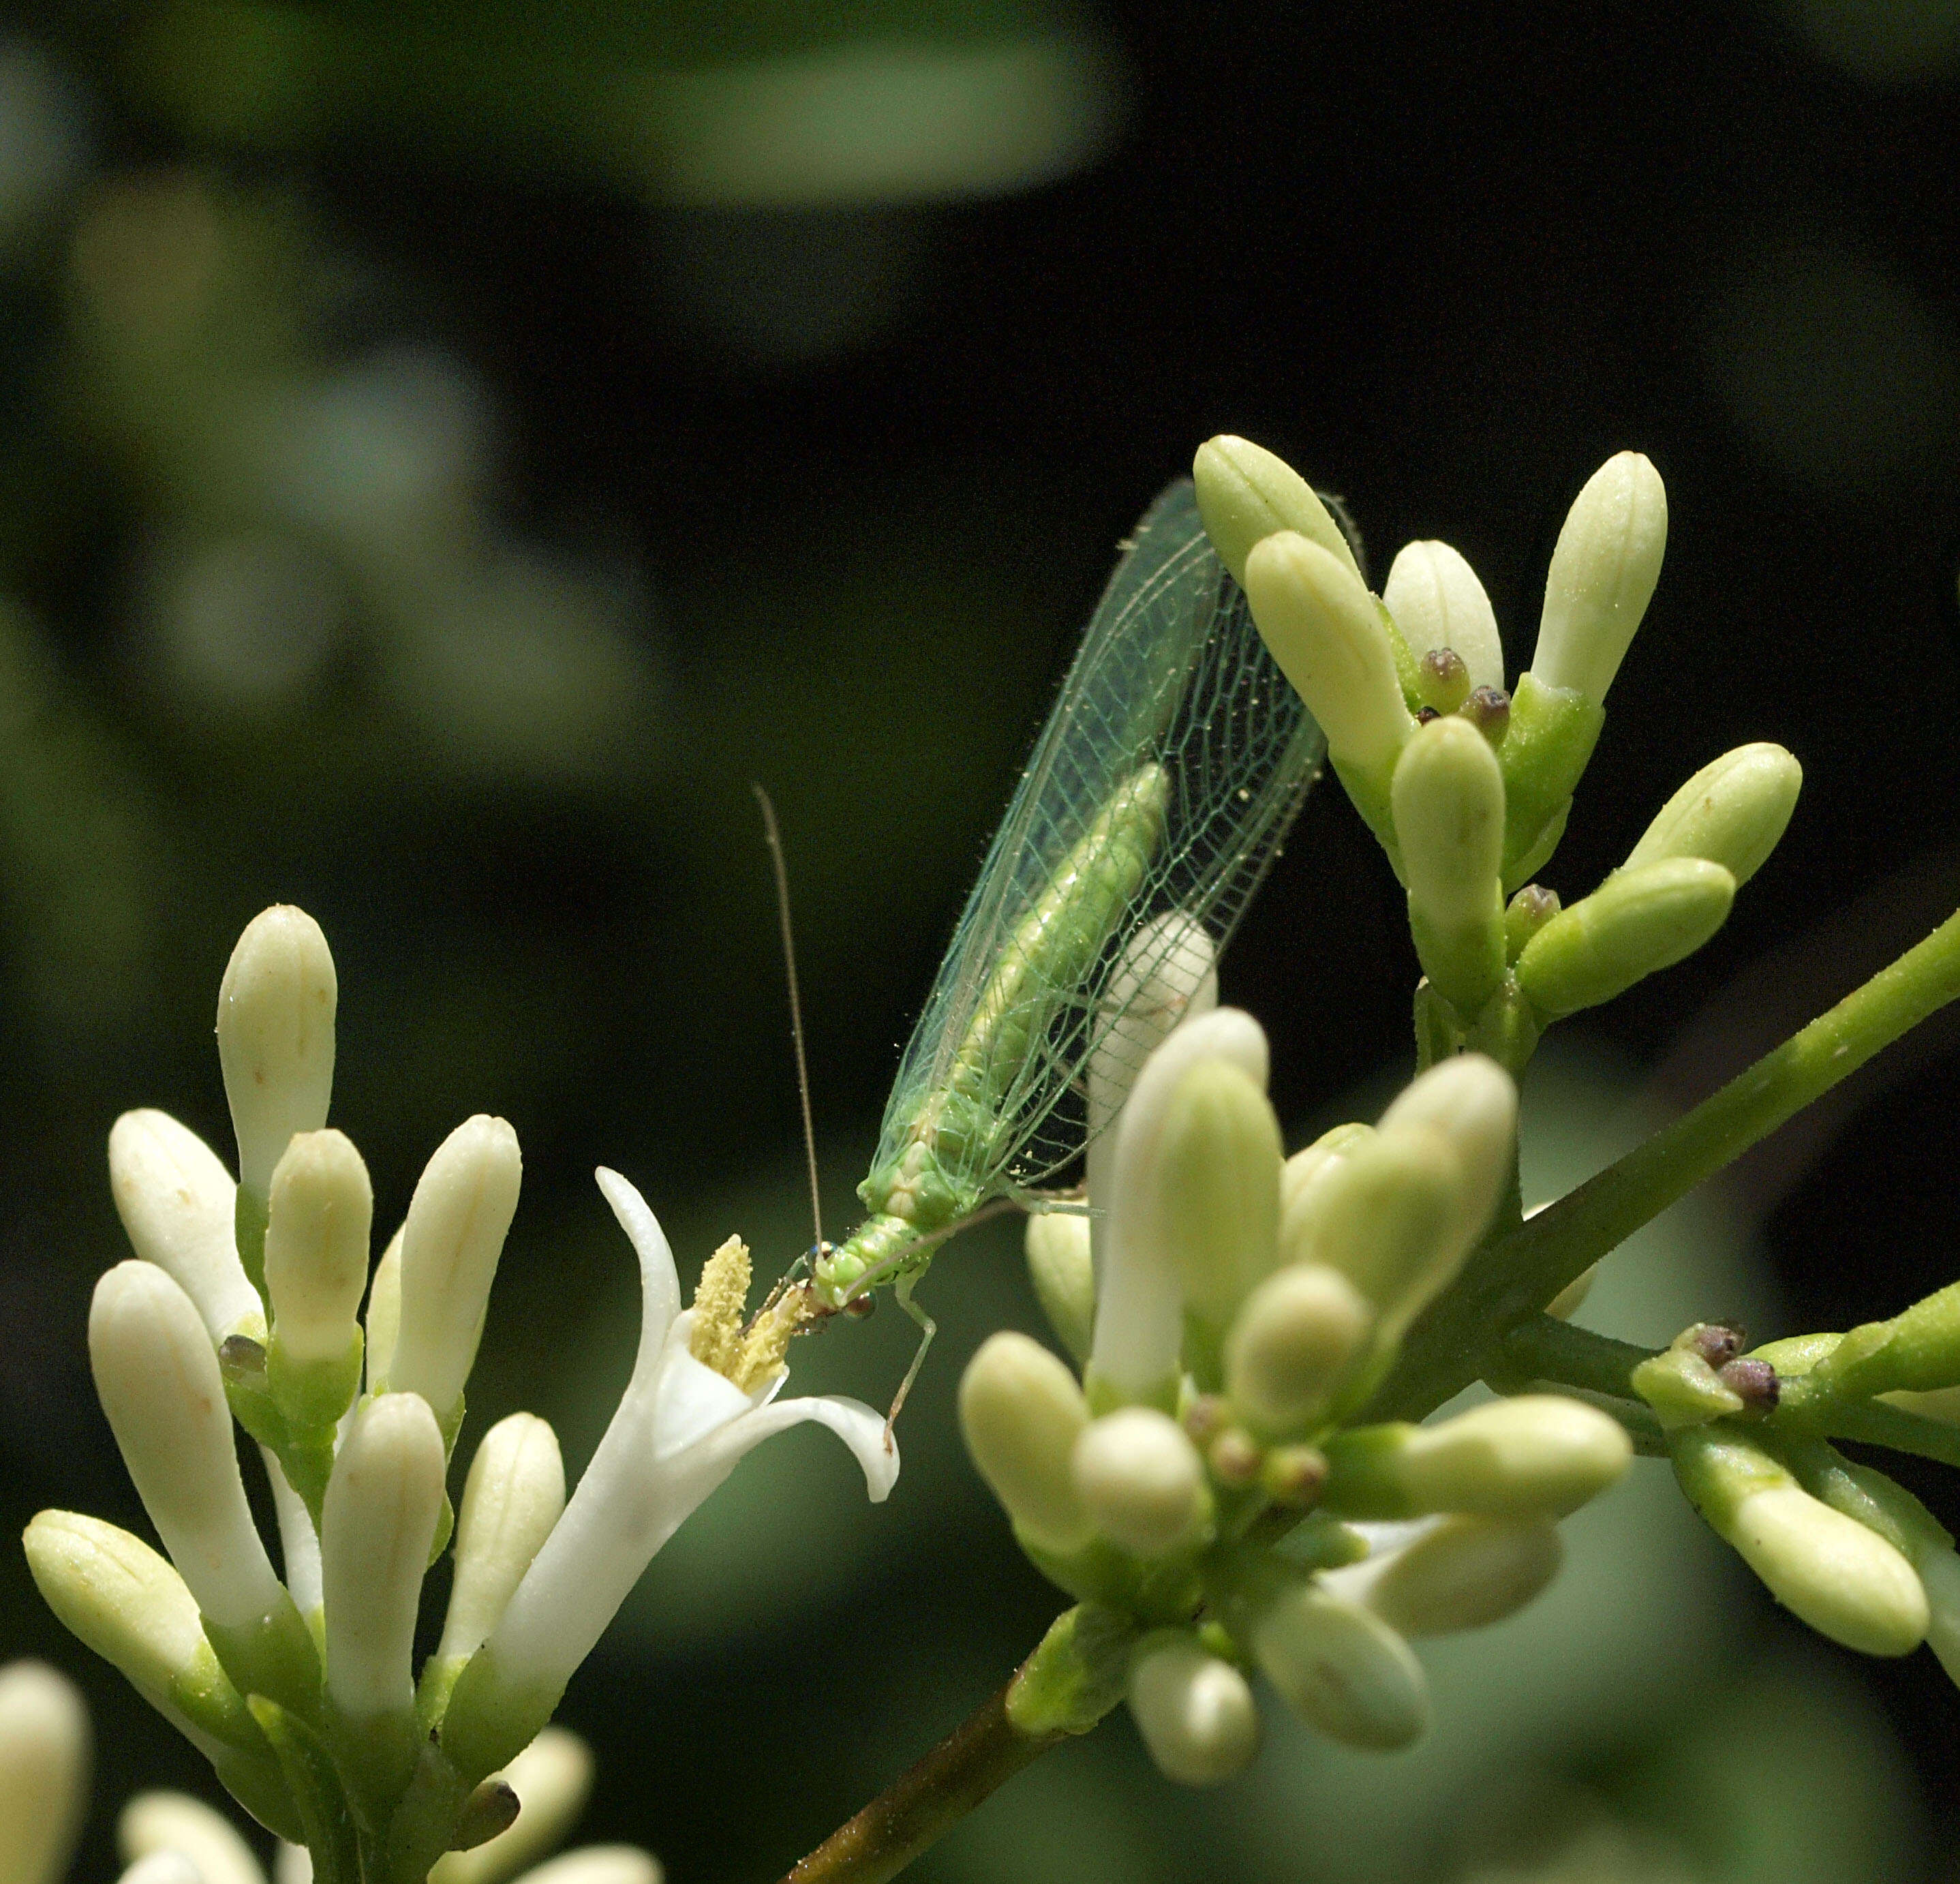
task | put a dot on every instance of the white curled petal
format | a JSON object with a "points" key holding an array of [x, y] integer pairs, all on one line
{"points": [[691, 1400], [860, 1427], [660, 1283]]}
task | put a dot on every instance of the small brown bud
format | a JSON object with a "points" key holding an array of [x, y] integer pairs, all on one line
{"points": [[1294, 1475], [242, 1361], [1235, 1457], [1754, 1383], [1718, 1343], [1442, 679], [1424, 715], [1205, 1417], [1524, 914], [1489, 710]]}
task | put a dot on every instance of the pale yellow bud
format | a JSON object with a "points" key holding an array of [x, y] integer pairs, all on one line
{"points": [[1341, 1669], [1062, 1268], [1218, 1169], [1195, 1712], [322, 1208], [44, 1762], [514, 1494], [155, 1823], [1245, 493], [176, 1201], [1732, 812], [1602, 576], [1022, 1411], [1437, 602], [1141, 1480], [276, 1014], [457, 1220], [1473, 1102], [1291, 1344], [1459, 1573]]}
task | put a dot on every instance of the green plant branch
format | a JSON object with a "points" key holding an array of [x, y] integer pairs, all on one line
{"points": [[1545, 1348], [1512, 1276], [1872, 1423]]}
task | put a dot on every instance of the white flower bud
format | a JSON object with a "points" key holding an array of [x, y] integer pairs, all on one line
{"points": [[1845, 1581], [321, 1210], [377, 1529], [1940, 1577], [156, 1373], [1141, 1481], [1022, 1411], [1732, 812], [176, 1200], [1301, 1176], [1245, 493], [1217, 1174], [1540, 1455], [598, 1864], [384, 1315], [1636, 923], [551, 1778], [514, 1494], [1448, 801], [154, 1823], [44, 1760], [1473, 1102], [1139, 1307], [1062, 1268], [299, 1541], [1324, 630], [292, 1865], [1342, 1669], [1602, 576], [118, 1596], [1455, 1574], [1291, 1344], [457, 1221], [163, 1867], [1195, 1712], [1437, 602], [275, 1010]]}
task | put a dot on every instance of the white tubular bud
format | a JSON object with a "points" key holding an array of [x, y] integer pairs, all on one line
{"points": [[1300, 1177], [299, 1541], [1437, 602], [44, 1762], [176, 1200], [1245, 493], [1195, 1712], [1217, 1171], [1473, 1102], [1140, 1307], [1291, 1344], [552, 1778], [322, 1209], [1828, 1569], [1538, 1456], [1141, 1481], [1168, 970], [377, 1526], [1324, 630], [156, 1373], [514, 1494], [118, 1596], [1062, 1268], [163, 1867], [1447, 799], [1384, 1215], [457, 1221], [384, 1315], [598, 1864], [1602, 576], [1341, 1669], [275, 1010], [293, 1865], [155, 1823], [1732, 812], [1459, 1573], [1022, 1412]]}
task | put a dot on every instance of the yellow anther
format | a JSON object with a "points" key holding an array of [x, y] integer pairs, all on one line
{"points": [[720, 1299]]}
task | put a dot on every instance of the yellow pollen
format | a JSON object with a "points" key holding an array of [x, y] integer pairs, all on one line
{"points": [[720, 1298]]}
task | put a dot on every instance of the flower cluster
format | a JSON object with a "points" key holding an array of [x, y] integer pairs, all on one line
{"points": [[244, 1300], [171, 1838], [1205, 1481]]}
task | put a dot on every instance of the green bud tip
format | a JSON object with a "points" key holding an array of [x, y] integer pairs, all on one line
{"points": [[1733, 812], [1602, 576], [1438, 603], [1022, 1413], [1141, 1481], [1526, 913]]}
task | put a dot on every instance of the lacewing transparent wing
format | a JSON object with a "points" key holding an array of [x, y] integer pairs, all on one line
{"points": [[1157, 796]]}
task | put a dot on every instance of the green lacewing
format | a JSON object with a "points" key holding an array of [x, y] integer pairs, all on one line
{"points": [[1157, 797]]}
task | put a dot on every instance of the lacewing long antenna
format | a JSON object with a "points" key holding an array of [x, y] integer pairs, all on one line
{"points": [[773, 837]]}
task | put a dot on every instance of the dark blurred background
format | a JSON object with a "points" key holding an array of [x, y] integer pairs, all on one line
{"points": [[446, 451]]}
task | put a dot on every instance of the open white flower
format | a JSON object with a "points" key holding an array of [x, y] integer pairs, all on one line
{"points": [[682, 1427]]}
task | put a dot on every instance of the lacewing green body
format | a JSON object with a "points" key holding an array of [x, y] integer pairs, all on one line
{"points": [[1157, 797]]}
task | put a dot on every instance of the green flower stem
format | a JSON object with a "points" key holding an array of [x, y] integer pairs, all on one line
{"points": [[1513, 1275], [1073, 1679], [1875, 1423], [1545, 1348]]}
